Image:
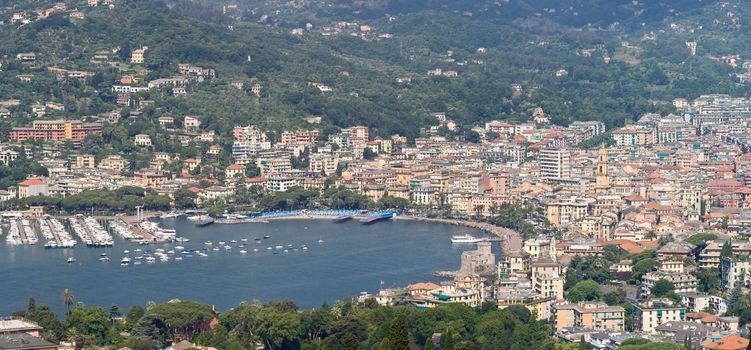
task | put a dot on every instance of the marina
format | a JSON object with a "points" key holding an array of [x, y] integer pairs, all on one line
{"points": [[327, 261], [90, 232], [21, 233], [55, 233]]}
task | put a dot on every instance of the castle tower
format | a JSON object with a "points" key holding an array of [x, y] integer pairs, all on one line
{"points": [[602, 185]]}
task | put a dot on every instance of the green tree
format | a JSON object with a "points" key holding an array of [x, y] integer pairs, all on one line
{"points": [[727, 249], [350, 342], [662, 288], [398, 334], [585, 290], [134, 314], [447, 341], [68, 299], [583, 345], [428, 344]]}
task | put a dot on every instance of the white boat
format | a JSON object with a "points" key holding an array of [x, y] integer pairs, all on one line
{"points": [[244, 239], [465, 239], [208, 243], [255, 250], [304, 248], [104, 259], [71, 260], [179, 247], [269, 248], [202, 254], [179, 258], [243, 251], [137, 263], [126, 251], [320, 241], [125, 261], [172, 214], [227, 247], [216, 249], [150, 259], [182, 239]]}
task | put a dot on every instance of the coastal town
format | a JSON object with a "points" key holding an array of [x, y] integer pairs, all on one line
{"points": [[642, 191], [580, 230]]}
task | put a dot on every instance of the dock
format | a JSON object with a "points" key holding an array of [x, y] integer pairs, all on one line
{"points": [[370, 219], [344, 218]]}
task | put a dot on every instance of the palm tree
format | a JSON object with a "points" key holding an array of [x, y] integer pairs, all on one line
{"points": [[68, 298]]}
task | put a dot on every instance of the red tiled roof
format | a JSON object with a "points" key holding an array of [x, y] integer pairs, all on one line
{"points": [[31, 182], [732, 342]]}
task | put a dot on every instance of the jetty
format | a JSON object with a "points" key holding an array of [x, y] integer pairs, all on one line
{"points": [[21, 233], [55, 233], [90, 231], [370, 219]]}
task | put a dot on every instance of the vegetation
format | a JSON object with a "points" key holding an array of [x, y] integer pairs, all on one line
{"points": [[346, 325]]}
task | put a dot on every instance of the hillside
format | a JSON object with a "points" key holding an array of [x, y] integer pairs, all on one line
{"points": [[573, 74]]}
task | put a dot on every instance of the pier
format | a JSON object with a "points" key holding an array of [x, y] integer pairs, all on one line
{"points": [[55, 234], [90, 232]]}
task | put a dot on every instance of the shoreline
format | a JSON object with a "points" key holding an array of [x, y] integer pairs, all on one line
{"points": [[511, 239]]}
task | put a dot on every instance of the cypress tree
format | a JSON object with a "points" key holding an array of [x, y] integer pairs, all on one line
{"points": [[398, 334], [447, 341]]}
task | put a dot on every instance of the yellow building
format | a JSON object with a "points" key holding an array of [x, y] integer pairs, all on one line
{"points": [[590, 315]]}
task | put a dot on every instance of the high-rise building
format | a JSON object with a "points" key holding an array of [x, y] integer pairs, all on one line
{"points": [[555, 163]]}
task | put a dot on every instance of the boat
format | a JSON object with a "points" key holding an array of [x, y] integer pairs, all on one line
{"points": [[126, 252], [304, 248], [182, 239], [103, 254], [179, 247], [125, 261], [320, 241], [104, 259], [269, 248], [227, 247], [233, 241], [71, 260], [178, 258], [205, 221], [244, 240], [266, 237], [465, 239], [172, 214], [202, 254], [150, 259], [208, 243], [279, 247], [216, 249], [137, 263], [255, 250], [243, 251]]}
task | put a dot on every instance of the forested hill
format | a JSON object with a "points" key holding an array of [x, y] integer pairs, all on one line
{"points": [[573, 73]]}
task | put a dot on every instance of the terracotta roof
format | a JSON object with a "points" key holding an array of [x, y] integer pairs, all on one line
{"points": [[31, 182], [732, 342], [235, 167], [424, 286]]}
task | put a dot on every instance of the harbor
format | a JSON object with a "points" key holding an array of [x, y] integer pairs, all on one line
{"points": [[90, 232], [325, 261], [21, 233], [55, 233]]}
